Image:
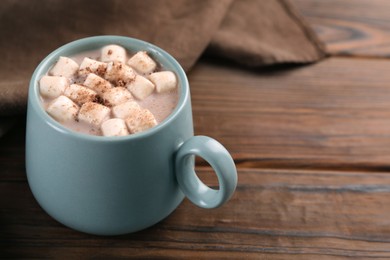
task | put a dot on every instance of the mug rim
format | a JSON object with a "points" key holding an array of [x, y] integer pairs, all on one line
{"points": [[95, 42]]}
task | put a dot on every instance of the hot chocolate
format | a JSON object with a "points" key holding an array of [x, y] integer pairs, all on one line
{"points": [[109, 91]]}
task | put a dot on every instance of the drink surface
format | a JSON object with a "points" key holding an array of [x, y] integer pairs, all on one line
{"points": [[86, 91]]}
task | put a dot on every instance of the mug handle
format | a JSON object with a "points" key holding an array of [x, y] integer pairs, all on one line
{"points": [[219, 159]]}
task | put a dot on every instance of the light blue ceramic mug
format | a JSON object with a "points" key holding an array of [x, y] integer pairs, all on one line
{"points": [[118, 185]]}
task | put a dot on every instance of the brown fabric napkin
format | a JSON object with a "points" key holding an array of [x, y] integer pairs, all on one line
{"points": [[250, 32], [256, 33]]}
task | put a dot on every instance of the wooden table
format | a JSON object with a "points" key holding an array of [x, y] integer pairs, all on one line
{"points": [[312, 147]]}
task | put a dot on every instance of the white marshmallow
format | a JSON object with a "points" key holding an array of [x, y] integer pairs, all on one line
{"points": [[142, 62], [97, 83], [52, 86], [164, 81], [113, 53], [93, 114], [114, 127], [125, 109], [92, 66], [65, 67], [119, 73], [140, 87], [80, 94], [117, 95], [140, 120], [63, 109]]}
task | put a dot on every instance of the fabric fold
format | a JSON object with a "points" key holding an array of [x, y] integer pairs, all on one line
{"points": [[256, 33]]}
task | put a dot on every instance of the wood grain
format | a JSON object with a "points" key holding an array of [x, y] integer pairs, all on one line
{"points": [[328, 115], [274, 213], [352, 28]]}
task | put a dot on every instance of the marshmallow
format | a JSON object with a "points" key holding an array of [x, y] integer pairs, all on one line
{"points": [[119, 73], [93, 114], [140, 87], [97, 83], [142, 62], [52, 86], [80, 94], [165, 81], [62, 109], [140, 120], [117, 95], [65, 67], [92, 66], [125, 109], [114, 127], [113, 53]]}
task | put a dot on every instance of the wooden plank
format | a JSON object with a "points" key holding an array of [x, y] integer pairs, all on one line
{"points": [[274, 214], [12, 149], [328, 115], [354, 28], [332, 114]]}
